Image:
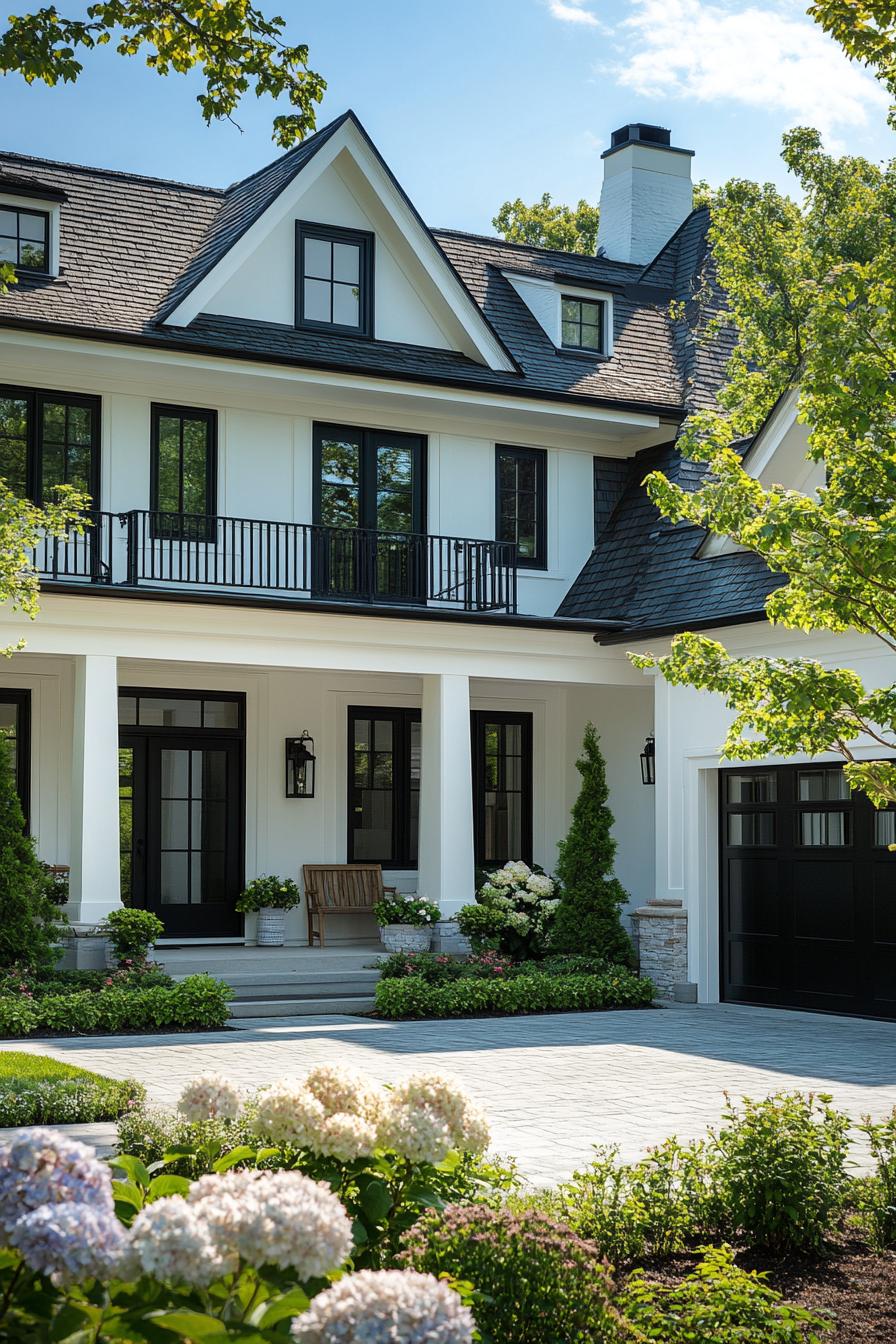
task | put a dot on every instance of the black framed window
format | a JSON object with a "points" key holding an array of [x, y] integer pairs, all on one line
{"points": [[383, 786], [502, 787], [183, 480], [521, 503], [25, 238], [582, 324], [49, 439], [15, 727], [334, 278]]}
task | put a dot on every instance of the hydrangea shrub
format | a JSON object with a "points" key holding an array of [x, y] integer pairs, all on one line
{"points": [[514, 912]]}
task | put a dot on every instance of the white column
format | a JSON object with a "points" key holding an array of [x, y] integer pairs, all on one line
{"points": [[446, 869], [95, 886]]}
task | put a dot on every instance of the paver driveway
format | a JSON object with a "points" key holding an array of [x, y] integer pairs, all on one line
{"points": [[552, 1085]]}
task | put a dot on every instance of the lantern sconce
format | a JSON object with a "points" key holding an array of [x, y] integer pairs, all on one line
{"points": [[648, 761], [300, 760]]}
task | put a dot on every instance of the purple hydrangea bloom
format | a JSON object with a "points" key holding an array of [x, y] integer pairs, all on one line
{"points": [[41, 1166], [71, 1242]]}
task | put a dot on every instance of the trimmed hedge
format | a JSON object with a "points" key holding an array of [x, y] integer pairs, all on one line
{"points": [[198, 1002], [412, 996]]}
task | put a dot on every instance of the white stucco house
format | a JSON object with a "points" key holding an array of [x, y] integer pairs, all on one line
{"points": [[378, 485]]}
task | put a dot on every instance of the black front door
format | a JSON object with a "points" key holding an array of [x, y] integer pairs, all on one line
{"points": [[369, 510], [808, 892], [182, 819]]}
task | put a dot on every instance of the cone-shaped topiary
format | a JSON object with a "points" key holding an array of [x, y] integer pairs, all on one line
{"points": [[29, 921], [587, 919]]}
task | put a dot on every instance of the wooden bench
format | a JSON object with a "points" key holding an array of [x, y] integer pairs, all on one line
{"points": [[340, 889]]}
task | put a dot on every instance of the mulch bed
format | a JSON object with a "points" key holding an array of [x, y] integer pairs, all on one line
{"points": [[855, 1285]]}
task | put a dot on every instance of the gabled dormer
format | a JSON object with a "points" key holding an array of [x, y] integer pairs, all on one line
{"points": [[29, 225], [324, 240]]}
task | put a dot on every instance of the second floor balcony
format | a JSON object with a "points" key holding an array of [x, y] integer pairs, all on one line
{"points": [[306, 561]]}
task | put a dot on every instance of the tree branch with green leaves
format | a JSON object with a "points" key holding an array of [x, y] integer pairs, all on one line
{"points": [[234, 46], [23, 528], [812, 295]]}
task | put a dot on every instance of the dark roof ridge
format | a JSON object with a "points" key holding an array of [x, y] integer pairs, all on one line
{"points": [[93, 171], [532, 247], [302, 146]]}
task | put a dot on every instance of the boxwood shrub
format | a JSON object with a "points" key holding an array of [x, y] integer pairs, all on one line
{"points": [[198, 1002], [533, 992]]}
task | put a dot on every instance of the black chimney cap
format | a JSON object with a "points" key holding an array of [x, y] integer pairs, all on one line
{"points": [[640, 133]]}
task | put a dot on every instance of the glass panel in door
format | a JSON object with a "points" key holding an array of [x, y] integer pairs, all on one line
{"points": [[337, 557], [399, 562]]}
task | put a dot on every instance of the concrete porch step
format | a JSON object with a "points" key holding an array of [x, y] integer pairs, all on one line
{"points": [[287, 1006], [235, 965], [325, 985]]}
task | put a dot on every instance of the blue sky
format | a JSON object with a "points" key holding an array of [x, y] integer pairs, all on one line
{"points": [[481, 100]]}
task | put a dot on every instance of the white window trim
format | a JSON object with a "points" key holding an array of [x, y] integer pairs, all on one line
{"points": [[552, 327], [39, 206]]}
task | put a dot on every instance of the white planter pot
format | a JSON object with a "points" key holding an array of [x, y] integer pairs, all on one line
{"points": [[270, 931], [406, 937]]}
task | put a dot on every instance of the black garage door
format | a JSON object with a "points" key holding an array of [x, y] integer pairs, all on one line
{"points": [[808, 892]]}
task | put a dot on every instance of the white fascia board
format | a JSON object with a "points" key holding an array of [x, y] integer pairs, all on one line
{"points": [[179, 359], [445, 280], [768, 439]]}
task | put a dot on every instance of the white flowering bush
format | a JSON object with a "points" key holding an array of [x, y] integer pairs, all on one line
{"points": [[514, 911], [383, 1308], [238, 1254], [210, 1097]]}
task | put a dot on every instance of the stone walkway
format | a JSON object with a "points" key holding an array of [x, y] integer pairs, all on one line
{"points": [[553, 1085]]}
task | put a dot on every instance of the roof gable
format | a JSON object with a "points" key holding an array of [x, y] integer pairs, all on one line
{"points": [[337, 177]]}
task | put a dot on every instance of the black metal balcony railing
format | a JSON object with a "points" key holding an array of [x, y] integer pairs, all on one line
{"points": [[303, 560]]}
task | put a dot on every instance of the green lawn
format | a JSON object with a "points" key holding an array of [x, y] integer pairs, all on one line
{"points": [[36, 1090], [20, 1065]]}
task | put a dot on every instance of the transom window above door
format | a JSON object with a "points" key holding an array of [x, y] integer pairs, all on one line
{"points": [[49, 439], [334, 278]]}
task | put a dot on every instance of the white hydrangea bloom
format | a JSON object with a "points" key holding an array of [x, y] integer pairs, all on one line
{"points": [[502, 878], [347, 1137], [210, 1097], [541, 884], [280, 1218], [174, 1242], [287, 1113], [519, 921], [519, 871], [343, 1091], [428, 1116], [72, 1242], [385, 1307]]}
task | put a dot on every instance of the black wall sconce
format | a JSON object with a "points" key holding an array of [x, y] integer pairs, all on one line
{"points": [[300, 760], [648, 761]]}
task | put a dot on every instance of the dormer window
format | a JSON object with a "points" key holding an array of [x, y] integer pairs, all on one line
{"points": [[25, 238], [334, 269], [582, 323]]}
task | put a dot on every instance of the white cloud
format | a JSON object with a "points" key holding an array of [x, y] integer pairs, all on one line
{"points": [[770, 57], [573, 11]]}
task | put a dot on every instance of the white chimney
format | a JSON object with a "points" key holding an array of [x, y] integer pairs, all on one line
{"points": [[646, 193]]}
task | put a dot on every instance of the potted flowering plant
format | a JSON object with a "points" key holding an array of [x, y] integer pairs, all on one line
{"points": [[269, 898], [405, 922], [514, 911]]}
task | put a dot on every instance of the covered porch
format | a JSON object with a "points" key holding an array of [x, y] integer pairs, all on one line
{"points": [[156, 756]]}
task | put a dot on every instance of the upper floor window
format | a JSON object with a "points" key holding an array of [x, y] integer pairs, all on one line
{"points": [[582, 324], [521, 503], [25, 238], [49, 439], [183, 476], [334, 270]]}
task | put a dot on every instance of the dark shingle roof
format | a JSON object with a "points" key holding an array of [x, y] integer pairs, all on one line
{"points": [[133, 247], [647, 571]]}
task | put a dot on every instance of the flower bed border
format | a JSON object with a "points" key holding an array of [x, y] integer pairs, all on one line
{"points": [[411, 996]]}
